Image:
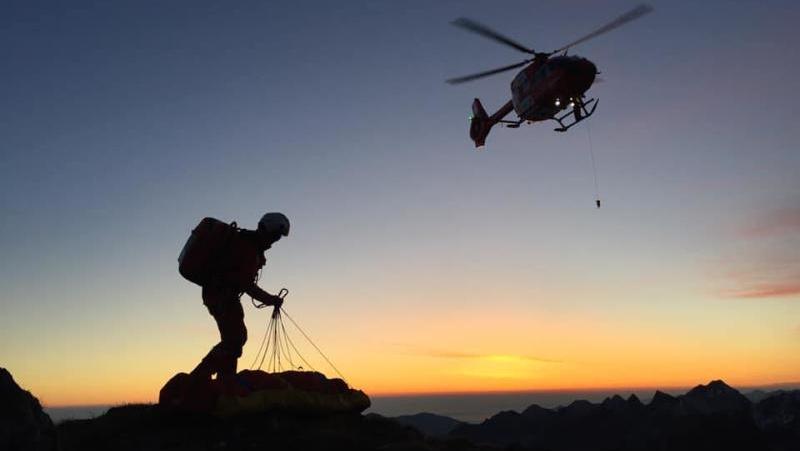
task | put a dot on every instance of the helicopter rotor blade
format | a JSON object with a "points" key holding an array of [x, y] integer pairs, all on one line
{"points": [[487, 32], [629, 16], [466, 78]]}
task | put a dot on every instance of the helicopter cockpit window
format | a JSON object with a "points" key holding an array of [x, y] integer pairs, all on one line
{"points": [[541, 74]]}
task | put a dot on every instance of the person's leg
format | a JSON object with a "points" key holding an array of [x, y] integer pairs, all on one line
{"points": [[234, 335], [214, 300]]}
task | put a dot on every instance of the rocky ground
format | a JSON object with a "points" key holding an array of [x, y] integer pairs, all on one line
{"points": [[148, 427]]}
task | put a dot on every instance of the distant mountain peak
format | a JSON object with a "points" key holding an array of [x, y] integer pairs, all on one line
{"points": [[660, 397], [661, 394], [715, 386], [579, 408], [535, 411], [634, 400], [615, 403], [716, 396]]}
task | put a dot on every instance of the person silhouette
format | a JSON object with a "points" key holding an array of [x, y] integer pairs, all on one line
{"points": [[221, 294]]}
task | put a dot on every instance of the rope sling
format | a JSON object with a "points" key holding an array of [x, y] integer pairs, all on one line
{"points": [[277, 349]]}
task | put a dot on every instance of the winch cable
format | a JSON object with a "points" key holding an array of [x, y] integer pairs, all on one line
{"points": [[594, 167]]}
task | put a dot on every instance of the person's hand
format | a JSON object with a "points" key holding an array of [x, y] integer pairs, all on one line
{"points": [[276, 302]]}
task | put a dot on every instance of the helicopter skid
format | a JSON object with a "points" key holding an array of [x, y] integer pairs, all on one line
{"points": [[512, 124], [579, 112]]}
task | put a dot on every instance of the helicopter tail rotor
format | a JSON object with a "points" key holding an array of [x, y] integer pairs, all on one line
{"points": [[480, 124]]}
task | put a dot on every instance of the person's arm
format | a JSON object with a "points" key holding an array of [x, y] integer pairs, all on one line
{"points": [[262, 296]]}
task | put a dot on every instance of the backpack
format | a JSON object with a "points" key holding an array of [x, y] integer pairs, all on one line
{"points": [[203, 254]]}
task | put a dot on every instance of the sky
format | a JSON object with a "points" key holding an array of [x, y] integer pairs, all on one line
{"points": [[416, 263]]}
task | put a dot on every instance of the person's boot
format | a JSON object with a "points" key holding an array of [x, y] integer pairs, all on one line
{"points": [[208, 366], [228, 379]]}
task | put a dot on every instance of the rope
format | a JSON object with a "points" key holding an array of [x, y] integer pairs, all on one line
{"points": [[289, 339], [278, 345], [594, 166], [264, 340], [315, 346], [275, 359], [285, 347], [266, 350]]}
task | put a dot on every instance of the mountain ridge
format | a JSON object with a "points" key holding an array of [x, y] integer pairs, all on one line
{"points": [[707, 417]]}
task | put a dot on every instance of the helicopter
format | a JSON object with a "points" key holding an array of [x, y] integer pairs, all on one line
{"points": [[546, 87]]}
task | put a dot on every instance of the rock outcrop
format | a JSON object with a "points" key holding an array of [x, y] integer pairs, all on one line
{"points": [[23, 424]]}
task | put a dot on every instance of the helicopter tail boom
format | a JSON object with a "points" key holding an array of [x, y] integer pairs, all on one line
{"points": [[481, 123]]}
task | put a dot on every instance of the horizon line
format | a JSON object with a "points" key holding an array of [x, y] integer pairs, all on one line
{"points": [[795, 385], [772, 386]]}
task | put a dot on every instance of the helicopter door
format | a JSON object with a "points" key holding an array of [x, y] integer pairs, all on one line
{"points": [[521, 93]]}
